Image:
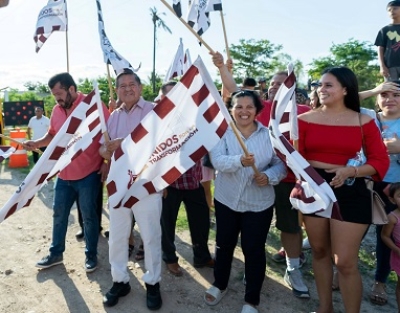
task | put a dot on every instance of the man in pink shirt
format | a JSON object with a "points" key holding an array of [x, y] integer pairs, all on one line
{"points": [[147, 211], [79, 181]]}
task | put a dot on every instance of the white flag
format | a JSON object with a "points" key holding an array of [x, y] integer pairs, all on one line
{"points": [[198, 17], [179, 131], [111, 56], [5, 152], [214, 5], [53, 17], [80, 130], [177, 7], [312, 193], [180, 63]]}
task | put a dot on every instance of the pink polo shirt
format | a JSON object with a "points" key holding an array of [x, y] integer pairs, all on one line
{"points": [[122, 122], [88, 161]]}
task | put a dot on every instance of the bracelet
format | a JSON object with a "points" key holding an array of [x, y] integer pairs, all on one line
{"points": [[105, 161]]}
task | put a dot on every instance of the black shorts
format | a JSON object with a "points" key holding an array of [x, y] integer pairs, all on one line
{"points": [[354, 201], [287, 218]]}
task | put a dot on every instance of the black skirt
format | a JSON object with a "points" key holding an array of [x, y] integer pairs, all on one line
{"points": [[354, 201]]}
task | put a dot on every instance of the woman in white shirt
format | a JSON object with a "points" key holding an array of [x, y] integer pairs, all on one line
{"points": [[243, 199]]}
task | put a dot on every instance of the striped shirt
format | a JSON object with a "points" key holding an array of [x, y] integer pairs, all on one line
{"points": [[234, 185]]}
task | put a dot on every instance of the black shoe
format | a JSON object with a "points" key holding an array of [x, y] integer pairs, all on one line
{"points": [[153, 300], [210, 264], [90, 264], [116, 291], [80, 234], [49, 261]]}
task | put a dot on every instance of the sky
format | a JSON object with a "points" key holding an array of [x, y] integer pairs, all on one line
{"points": [[306, 30]]}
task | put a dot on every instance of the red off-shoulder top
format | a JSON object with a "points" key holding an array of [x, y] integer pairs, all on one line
{"points": [[336, 144]]}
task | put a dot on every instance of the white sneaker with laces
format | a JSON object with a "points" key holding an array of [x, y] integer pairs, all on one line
{"points": [[294, 280]]}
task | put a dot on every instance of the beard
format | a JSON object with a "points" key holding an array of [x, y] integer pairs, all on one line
{"points": [[67, 103]]}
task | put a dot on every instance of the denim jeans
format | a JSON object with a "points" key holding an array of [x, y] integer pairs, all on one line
{"points": [[84, 190], [382, 250]]}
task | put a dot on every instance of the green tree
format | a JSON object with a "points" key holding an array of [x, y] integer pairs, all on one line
{"points": [[85, 86], [360, 57], [259, 58], [38, 87], [147, 91], [157, 22]]}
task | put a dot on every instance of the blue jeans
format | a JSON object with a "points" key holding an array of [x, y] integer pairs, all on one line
{"points": [[84, 190], [382, 250]]}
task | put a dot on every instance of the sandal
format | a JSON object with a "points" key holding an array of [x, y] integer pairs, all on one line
{"points": [[140, 254], [335, 281], [378, 297], [215, 293], [247, 308]]}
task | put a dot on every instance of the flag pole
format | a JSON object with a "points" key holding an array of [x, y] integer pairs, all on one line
{"points": [[99, 104], [236, 132], [110, 82], [228, 54], [66, 46], [19, 143], [188, 27]]}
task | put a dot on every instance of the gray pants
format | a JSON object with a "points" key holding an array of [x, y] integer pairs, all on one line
{"points": [[394, 74]]}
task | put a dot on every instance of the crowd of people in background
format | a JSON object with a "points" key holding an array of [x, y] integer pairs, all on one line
{"points": [[250, 187]]}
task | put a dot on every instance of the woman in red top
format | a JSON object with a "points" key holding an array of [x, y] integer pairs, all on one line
{"points": [[328, 137]]}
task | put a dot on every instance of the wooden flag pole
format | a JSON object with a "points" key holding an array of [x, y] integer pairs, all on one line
{"points": [[236, 132], [66, 46], [110, 82], [19, 142], [188, 27], [228, 54]]}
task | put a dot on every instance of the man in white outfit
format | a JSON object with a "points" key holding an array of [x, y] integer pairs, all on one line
{"points": [[39, 124], [147, 211]]}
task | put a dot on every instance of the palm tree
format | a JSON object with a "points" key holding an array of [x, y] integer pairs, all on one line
{"points": [[158, 22]]}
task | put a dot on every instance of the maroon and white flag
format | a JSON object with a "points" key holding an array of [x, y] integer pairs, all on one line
{"points": [[180, 63], [181, 129], [5, 152], [53, 17], [312, 193], [74, 137], [111, 56]]}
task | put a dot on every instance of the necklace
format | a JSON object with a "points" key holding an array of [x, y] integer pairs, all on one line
{"points": [[335, 118]]}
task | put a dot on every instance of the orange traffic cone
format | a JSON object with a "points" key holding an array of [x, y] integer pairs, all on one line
{"points": [[19, 158]]}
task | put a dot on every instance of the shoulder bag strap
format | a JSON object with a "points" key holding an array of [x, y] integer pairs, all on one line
{"points": [[362, 135]]}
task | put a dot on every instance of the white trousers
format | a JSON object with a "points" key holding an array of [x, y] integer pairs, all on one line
{"points": [[147, 214]]}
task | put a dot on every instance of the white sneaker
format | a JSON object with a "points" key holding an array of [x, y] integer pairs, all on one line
{"points": [[294, 280], [306, 244]]}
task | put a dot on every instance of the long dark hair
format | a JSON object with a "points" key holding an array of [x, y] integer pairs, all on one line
{"points": [[348, 80]]}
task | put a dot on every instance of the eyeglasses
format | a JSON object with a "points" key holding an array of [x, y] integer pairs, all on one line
{"points": [[128, 87], [242, 93]]}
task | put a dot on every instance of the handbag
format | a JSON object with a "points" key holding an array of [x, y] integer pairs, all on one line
{"points": [[379, 216]]}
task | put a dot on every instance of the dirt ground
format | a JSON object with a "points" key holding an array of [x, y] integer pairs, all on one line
{"points": [[25, 238]]}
